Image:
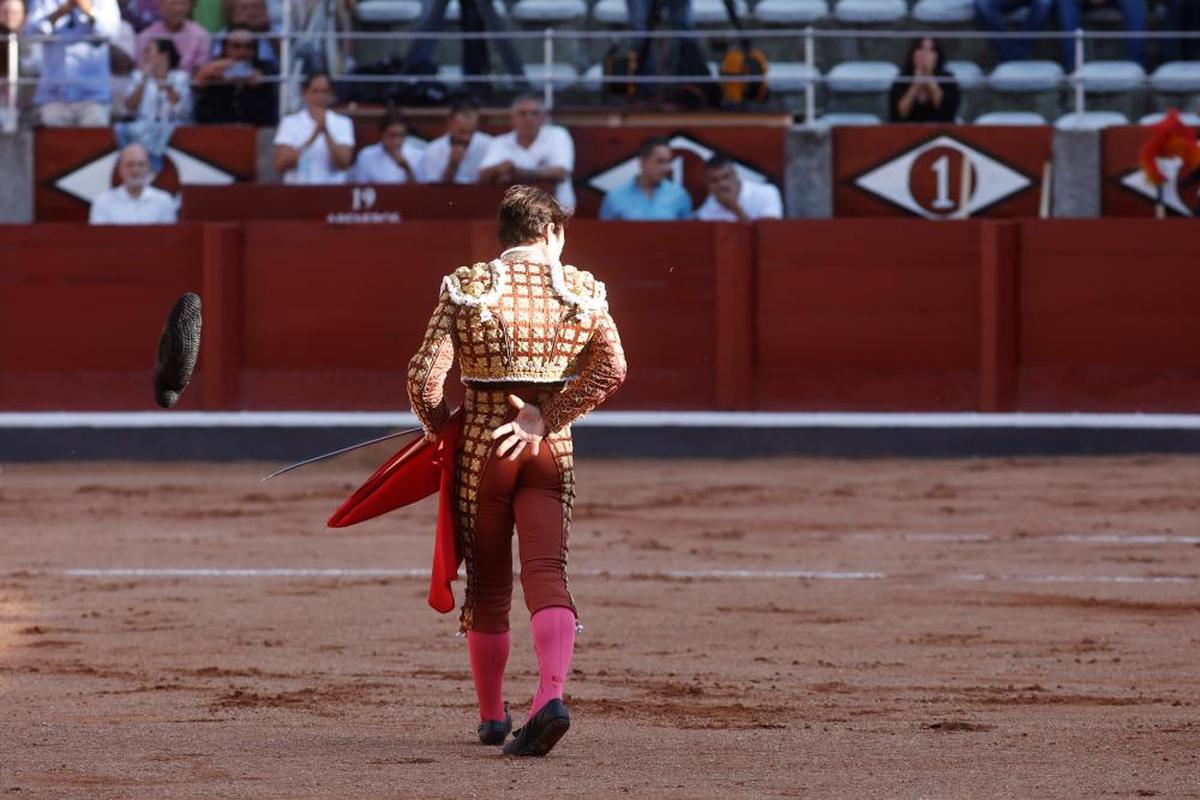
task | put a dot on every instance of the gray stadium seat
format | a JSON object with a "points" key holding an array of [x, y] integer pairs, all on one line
{"points": [[790, 76], [1187, 118], [454, 10], [548, 12], [1010, 118], [944, 11], [611, 12], [835, 119], [871, 12], [1090, 120], [1026, 76], [388, 12], [968, 74], [1112, 76], [1176, 77], [861, 77], [790, 12], [563, 76], [714, 13]]}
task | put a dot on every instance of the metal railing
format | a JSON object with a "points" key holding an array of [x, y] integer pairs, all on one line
{"points": [[309, 40]]}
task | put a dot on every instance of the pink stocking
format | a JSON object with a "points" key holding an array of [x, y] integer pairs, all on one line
{"points": [[489, 655], [554, 641]]}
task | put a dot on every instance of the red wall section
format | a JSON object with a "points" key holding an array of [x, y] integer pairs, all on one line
{"points": [[878, 314], [81, 310], [841, 314], [1109, 315]]}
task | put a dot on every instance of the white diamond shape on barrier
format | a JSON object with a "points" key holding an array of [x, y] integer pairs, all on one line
{"points": [[993, 182], [625, 171], [1169, 167], [88, 181]]}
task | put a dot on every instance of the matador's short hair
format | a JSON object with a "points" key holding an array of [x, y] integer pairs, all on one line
{"points": [[525, 212]]}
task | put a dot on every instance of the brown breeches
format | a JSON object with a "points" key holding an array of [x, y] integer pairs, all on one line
{"points": [[532, 493]]}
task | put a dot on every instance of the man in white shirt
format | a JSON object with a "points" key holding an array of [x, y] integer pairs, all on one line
{"points": [[455, 156], [315, 145], [135, 201], [730, 199], [532, 152], [393, 159]]}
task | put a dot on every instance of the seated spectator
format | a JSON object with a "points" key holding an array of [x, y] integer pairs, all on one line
{"points": [[74, 86], [230, 89], [251, 15], [917, 94], [314, 145], [393, 159], [191, 40], [159, 91], [1133, 17], [135, 201], [731, 199], [455, 156], [991, 15], [532, 152], [649, 195]]}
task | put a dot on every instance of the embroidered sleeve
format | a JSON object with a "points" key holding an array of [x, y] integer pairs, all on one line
{"points": [[602, 371], [428, 368]]}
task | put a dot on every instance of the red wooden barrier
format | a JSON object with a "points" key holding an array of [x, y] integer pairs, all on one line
{"points": [[849, 314], [868, 314]]}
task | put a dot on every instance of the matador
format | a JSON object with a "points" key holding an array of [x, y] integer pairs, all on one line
{"points": [[537, 349]]}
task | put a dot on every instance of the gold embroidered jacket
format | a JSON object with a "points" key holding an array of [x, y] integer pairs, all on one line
{"points": [[519, 319]]}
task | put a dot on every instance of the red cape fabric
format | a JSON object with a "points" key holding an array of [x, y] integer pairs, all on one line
{"points": [[416, 471]]}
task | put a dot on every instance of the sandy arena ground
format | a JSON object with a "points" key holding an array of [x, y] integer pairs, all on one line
{"points": [[965, 629]]}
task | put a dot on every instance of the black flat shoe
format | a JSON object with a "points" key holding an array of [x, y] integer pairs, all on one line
{"points": [[495, 731], [542, 732]]}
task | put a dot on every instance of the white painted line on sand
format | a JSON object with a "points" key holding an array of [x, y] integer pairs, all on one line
{"points": [[1127, 538], [1080, 578], [415, 572]]}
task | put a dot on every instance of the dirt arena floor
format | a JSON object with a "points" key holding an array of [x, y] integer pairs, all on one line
{"points": [[1025, 628]]}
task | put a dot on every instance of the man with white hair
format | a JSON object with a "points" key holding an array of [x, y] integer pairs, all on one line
{"points": [[135, 201], [534, 151]]}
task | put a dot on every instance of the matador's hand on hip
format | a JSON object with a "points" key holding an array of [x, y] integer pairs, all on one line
{"points": [[527, 429]]}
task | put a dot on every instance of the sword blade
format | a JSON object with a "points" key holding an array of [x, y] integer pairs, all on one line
{"points": [[323, 456]]}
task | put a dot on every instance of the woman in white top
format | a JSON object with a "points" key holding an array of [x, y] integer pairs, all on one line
{"points": [[158, 90], [314, 145], [394, 159]]}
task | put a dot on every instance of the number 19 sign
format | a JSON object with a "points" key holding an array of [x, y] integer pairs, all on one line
{"points": [[940, 172]]}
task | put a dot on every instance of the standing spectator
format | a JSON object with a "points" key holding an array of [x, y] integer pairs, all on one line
{"points": [[252, 15], [159, 91], [991, 15], [649, 195], [231, 89], [925, 91], [314, 145], [532, 152], [731, 199], [477, 16], [74, 87], [1182, 15], [393, 159], [191, 40], [455, 156], [678, 15], [1133, 17], [135, 201]]}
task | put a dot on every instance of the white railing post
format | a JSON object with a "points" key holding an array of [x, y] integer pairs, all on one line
{"points": [[548, 66], [810, 65], [1079, 103], [285, 57]]}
